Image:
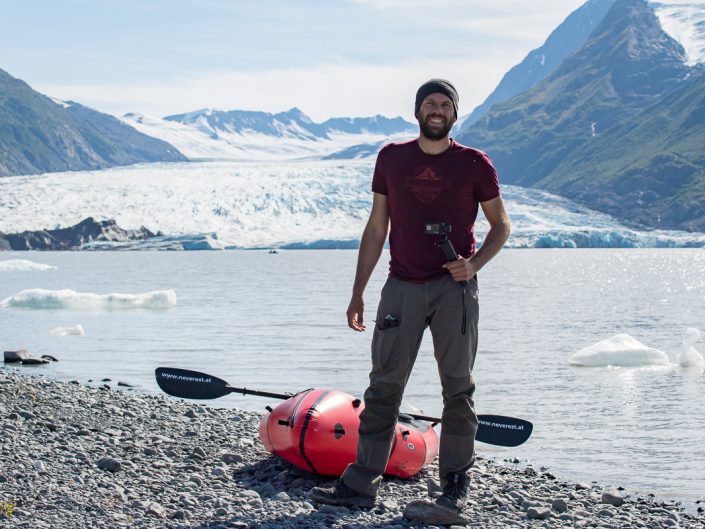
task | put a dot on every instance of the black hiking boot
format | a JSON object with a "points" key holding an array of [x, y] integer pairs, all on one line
{"points": [[455, 492], [341, 494]]}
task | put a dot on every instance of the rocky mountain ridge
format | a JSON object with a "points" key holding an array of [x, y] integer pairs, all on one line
{"points": [[38, 134]]}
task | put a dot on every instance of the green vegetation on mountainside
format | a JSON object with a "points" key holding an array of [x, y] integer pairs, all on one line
{"points": [[619, 126]]}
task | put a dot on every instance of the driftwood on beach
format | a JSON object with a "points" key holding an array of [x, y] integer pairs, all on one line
{"points": [[75, 457]]}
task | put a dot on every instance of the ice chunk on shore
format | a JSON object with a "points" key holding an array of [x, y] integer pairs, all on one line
{"points": [[38, 298], [620, 350], [76, 330], [22, 265], [689, 356]]}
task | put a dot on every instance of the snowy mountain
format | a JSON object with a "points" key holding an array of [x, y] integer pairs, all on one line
{"points": [[293, 204], [248, 135]]}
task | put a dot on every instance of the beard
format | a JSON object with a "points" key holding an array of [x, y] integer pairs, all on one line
{"points": [[433, 133]]}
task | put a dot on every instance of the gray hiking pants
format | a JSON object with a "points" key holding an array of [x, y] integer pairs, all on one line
{"points": [[409, 308]]}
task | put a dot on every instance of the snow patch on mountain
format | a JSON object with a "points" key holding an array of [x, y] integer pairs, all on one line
{"points": [[685, 22], [61, 103]]}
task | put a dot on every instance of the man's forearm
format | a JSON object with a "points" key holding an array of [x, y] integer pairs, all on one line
{"points": [[493, 243], [371, 247]]}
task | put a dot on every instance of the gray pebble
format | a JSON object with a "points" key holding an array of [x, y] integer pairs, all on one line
{"points": [[559, 505], [538, 513], [250, 494], [179, 515], [388, 505], [230, 459], [606, 512], [612, 498], [154, 509], [109, 464], [328, 509]]}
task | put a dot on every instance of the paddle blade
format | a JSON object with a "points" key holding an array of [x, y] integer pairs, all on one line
{"points": [[503, 431], [190, 384]]}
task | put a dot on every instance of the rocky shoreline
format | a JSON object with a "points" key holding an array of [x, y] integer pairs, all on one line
{"points": [[76, 457]]}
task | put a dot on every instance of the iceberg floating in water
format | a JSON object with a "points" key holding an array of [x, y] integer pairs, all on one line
{"points": [[76, 330], [38, 298], [620, 350], [23, 265], [689, 356]]}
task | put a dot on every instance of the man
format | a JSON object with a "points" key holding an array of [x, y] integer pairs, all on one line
{"points": [[431, 179]]}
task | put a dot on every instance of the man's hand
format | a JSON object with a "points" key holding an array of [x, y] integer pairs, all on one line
{"points": [[355, 310], [461, 270]]}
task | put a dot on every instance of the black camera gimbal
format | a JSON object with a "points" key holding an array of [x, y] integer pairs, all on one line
{"points": [[442, 230]]}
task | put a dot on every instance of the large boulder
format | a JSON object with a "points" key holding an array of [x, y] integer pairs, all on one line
{"points": [[24, 357], [16, 357]]}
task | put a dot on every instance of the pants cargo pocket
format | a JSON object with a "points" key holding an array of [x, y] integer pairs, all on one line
{"points": [[384, 344]]}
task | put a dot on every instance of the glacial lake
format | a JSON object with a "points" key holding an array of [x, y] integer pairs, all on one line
{"points": [[276, 322]]}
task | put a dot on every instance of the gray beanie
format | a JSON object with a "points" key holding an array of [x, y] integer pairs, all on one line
{"points": [[437, 85]]}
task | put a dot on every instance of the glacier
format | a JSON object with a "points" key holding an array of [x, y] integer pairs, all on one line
{"points": [[294, 204]]}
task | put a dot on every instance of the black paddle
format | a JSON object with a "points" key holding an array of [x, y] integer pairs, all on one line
{"points": [[492, 429]]}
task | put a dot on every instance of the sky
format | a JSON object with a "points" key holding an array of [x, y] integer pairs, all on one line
{"points": [[329, 58]]}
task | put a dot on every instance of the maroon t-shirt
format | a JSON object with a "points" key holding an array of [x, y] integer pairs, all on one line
{"points": [[423, 188]]}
